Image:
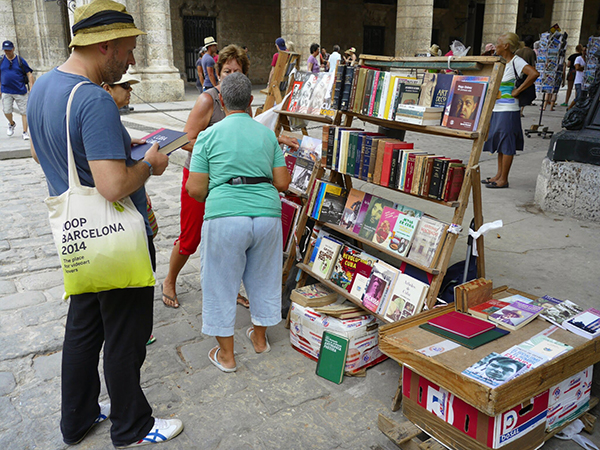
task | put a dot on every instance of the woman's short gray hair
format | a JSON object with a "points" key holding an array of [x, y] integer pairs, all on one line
{"points": [[236, 90]]}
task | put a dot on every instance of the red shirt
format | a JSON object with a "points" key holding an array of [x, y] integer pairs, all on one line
{"points": [[274, 62]]}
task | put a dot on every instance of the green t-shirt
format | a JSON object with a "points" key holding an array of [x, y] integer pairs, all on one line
{"points": [[238, 146]]}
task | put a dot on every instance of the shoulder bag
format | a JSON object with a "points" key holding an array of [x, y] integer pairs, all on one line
{"points": [[526, 97], [102, 245]]}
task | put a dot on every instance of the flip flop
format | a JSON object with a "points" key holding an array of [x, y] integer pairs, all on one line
{"points": [[493, 185], [243, 301], [249, 332], [215, 360], [173, 299]]}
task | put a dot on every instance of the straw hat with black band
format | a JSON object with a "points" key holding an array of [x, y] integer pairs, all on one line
{"points": [[100, 21]]}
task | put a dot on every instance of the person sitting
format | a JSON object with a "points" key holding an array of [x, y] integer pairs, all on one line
{"points": [[238, 168]]}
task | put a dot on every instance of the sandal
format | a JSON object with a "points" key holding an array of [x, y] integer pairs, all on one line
{"points": [[174, 301], [249, 332], [487, 180], [494, 185], [243, 301], [215, 360]]}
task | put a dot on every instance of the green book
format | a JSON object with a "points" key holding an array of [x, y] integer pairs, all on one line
{"points": [[474, 342], [352, 141], [332, 357]]}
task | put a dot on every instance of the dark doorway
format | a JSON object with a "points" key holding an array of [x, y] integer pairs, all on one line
{"points": [[195, 29], [477, 36], [374, 40]]}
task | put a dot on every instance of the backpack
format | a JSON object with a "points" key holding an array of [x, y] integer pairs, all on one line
{"points": [[25, 77]]}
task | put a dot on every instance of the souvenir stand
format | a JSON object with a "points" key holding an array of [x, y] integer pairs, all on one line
{"points": [[492, 67]]}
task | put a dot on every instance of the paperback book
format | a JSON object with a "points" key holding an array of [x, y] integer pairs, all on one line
{"points": [[372, 216], [359, 283], [326, 257], [401, 236], [545, 346], [352, 209], [559, 313], [428, 241], [494, 370], [516, 315], [299, 79], [483, 310], [332, 357], [168, 141], [345, 267], [407, 298], [301, 175], [381, 281], [525, 356], [362, 213], [313, 295], [311, 148], [465, 102], [585, 324]]}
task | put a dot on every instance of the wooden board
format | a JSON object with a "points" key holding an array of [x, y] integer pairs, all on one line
{"points": [[402, 340]]}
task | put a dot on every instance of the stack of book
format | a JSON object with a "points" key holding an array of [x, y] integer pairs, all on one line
{"points": [[392, 163]]}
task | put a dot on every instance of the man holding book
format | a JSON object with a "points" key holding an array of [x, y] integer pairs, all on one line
{"points": [[118, 320]]}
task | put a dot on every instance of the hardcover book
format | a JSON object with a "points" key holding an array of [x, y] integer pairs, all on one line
{"points": [[369, 225], [585, 324], [168, 141], [442, 89], [516, 315], [461, 324], [313, 295], [290, 212], [407, 298], [332, 357], [494, 370]]}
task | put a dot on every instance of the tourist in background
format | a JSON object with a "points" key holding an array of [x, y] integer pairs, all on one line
{"points": [[579, 69], [313, 62], [334, 58], [208, 63], [506, 134], [571, 72], [200, 72]]}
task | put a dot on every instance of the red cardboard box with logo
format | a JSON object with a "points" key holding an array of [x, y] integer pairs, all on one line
{"points": [[426, 404]]}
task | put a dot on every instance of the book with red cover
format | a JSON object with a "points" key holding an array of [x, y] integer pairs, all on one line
{"points": [[374, 92], [453, 183], [461, 324], [410, 172], [290, 162], [388, 153]]}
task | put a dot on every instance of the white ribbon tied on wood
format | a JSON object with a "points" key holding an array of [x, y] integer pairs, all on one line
{"points": [[483, 230]]}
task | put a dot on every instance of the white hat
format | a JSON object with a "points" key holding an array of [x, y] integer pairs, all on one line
{"points": [[128, 78]]}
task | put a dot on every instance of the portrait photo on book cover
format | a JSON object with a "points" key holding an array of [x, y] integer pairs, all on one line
{"points": [[375, 289], [464, 106], [495, 369]]}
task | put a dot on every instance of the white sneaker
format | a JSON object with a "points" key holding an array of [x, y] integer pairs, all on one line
{"points": [[11, 129], [163, 430], [25, 136], [104, 412]]}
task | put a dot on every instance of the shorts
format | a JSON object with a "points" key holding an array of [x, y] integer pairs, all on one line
{"points": [[191, 218], [21, 100], [234, 249], [506, 134]]}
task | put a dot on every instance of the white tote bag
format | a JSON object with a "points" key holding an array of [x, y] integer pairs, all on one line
{"points": [[102, 245]]}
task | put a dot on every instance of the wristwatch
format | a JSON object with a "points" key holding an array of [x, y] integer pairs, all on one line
{"points": [[150, 166]]}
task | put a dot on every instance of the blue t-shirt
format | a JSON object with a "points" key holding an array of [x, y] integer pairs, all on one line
{"points": [[96, 131], [208, 61], [12, 76]]}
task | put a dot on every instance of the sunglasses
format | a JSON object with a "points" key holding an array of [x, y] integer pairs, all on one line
{"points": [[125, 86]]}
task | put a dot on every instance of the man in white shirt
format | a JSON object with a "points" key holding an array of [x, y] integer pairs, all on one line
{"points": [[579, 69], [334, 58]]}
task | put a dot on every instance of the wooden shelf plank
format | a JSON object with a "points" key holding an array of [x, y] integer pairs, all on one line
{"points": [[343, 292], [311, 117], [370, 243], [427, 129]]}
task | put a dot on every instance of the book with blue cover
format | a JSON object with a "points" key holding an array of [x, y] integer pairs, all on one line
{"points": [[168, 141]]}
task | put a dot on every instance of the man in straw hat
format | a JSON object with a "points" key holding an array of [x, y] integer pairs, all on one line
{"points": [[121, 319], [208, 63]]}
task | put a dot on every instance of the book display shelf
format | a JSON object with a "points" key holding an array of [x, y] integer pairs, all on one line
{"points": [[492, 67]]}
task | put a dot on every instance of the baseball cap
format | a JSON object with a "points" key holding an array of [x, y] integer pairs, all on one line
{"points": [[7, 45], [280, 43]]}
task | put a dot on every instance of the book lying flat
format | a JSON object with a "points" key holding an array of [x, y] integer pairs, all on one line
{"points": [[332, 357], [472, 343], [168, 141], [462, 324], [585, 324]]}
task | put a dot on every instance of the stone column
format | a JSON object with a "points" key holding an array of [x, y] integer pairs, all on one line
{"points": [[569, 15], [500, 17], [414, 21], [7, 22], [301, 24]]}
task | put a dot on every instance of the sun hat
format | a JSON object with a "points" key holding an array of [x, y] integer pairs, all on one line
{"points": [[352, 50], [280, 43], [128, 78], [208, 41], [434, 50], [8, 45], [101, 20]]}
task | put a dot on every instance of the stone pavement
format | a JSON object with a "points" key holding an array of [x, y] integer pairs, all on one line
{"points": [[273, 401]]}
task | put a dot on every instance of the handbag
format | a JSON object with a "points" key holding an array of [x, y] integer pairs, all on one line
{"points": [[102, 245], [526, 97]]}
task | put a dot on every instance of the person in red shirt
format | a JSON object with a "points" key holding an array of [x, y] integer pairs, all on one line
{"points": [[280, 44]]}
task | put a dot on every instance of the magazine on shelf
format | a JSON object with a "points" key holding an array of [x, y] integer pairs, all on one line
{"points": [[299, 79]]}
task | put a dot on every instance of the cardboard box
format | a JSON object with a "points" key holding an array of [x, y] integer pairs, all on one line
{"points": [[569, 399], [306, 330], [518, 428]]}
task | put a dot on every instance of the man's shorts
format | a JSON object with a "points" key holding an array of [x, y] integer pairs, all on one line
{"points": [[21, 100]]}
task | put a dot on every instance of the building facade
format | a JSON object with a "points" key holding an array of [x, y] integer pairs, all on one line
{"points": [[176, 30]]}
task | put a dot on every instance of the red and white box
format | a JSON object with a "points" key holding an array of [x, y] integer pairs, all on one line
{"points": [[569, 398], [307, 327], [519, 427]]}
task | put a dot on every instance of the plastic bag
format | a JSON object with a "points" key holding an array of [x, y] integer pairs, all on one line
{"points": [[269, 117], [458, 48]]}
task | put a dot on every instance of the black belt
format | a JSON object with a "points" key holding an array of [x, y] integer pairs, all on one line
{"points": [[249, 180]]}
